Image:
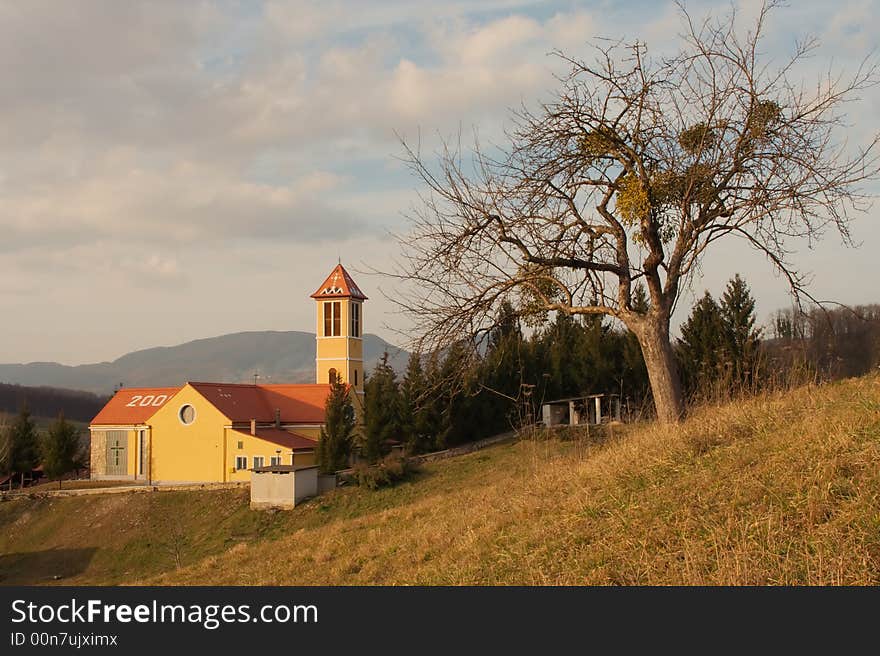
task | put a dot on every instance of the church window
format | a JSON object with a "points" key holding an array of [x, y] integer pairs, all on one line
{"points": [[332, 319], [259, 461], [355, 320], [241, 463], [187, 414]]}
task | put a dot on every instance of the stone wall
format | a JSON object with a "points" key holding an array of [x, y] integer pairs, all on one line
{"points": [[98, 456]]}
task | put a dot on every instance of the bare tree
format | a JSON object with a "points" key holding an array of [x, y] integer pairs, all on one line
{"points": [[625, 179]]}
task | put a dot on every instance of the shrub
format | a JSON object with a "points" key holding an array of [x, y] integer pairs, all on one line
{"points": [[388, 471]]}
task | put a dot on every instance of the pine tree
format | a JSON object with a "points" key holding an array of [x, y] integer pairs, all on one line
{"points": [[416, 420], [61, 449], [702, 345], [24, 450], [499, 377], [5, 443], [742, 339], [334, 447], [382, 411]]}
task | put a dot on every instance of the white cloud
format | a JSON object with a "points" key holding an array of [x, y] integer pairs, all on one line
{"points": [[160, 147]]}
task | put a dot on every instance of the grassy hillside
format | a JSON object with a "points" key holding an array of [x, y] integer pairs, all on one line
{"points": [[777, 490]]}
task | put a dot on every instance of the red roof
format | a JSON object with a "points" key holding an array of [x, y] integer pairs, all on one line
{"points": [[134, 405], [298, 404], [290, 441], [339, 284]]}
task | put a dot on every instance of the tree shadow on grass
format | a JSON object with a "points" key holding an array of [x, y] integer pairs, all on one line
{"points": [[44, 567]]}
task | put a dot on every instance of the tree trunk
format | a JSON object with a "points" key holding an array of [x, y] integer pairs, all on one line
{"points": [[653, 336]]}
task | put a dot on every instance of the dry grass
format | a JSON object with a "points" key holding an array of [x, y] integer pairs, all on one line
{"points": [[783, 489]]}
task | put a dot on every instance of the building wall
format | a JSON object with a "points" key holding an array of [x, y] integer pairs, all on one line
{"points": [[343, 353], [192, 453], [273, 490], [98, 452], [253, 446], [98, 455], [304, 458], [305, 484]]}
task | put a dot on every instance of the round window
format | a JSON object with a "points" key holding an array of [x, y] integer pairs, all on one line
{"points": [[187, 414]]}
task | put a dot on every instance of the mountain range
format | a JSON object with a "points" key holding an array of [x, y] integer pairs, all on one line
{"points": [[276, 357]]}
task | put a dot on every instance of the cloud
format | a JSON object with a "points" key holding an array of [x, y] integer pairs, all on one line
{"points": [[157, 147]]}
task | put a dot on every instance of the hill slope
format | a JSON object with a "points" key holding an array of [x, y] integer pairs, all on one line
{"points": [[283, 357], [776, 490]]}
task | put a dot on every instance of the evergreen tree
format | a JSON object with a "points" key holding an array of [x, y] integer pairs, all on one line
{"points": [[742, 339], [434, 402], [5, 443], [382, 420], [61, 449], [334, 447], [499, 379], [702, 345], [416, 417], [24, 450]]}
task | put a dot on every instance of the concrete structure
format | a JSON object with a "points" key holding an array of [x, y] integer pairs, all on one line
{"points": [[283, 486], [326, 483], [580, 410], [217, 432]]}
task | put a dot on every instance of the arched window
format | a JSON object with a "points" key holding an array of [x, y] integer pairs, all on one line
{"points": [[332, 376]]}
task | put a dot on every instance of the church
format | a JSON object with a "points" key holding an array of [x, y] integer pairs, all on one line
{"points": [[216, 432]]}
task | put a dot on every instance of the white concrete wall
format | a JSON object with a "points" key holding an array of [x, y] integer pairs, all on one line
{"points": [[306, 485], [272, 490]]}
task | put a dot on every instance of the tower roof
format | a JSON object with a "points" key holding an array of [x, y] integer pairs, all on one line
{"points": [[339, 284]]}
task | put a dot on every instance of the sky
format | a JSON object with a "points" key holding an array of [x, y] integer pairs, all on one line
{"points": [[177, 170]]}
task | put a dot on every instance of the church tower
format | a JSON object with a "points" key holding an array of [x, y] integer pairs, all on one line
{"points": [[340, 326]]}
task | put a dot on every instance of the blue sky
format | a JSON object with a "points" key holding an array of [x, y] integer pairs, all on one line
{"points": [[171, 171]]}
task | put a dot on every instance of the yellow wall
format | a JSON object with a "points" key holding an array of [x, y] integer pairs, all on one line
{"points": [[343, 353], [253, 446], [187, 453]]}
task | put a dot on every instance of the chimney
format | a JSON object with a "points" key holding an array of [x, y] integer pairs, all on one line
{"points": [[277, 417], [253, 426]]}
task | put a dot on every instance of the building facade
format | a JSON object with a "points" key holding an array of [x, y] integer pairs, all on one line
{"points": [[217, 432]]}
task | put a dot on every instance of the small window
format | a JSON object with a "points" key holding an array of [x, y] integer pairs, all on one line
{"points": [[331, 376], [259, 461], [241, 445], [355, 319], [275, 460], [355, 376], [187, 414], [332, 319], [240, 463]]}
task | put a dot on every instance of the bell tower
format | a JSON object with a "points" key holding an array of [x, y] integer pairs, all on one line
{"points": [[340, 328]]}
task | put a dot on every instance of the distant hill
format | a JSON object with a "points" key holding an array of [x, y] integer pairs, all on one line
{"points": [[49, 401], [278, 357]]}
